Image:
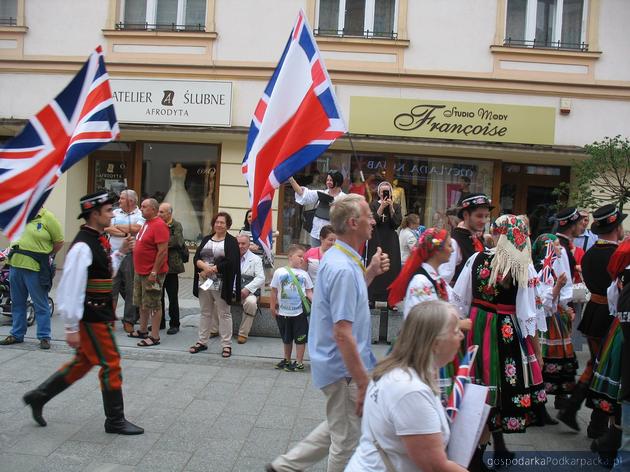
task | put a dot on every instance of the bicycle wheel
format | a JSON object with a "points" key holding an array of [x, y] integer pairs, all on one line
{"points": [[51, 305]]}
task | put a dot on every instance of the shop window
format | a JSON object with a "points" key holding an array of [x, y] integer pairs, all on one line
{"points": [[424, 185], [169, 15], [183, 175], [558, 24], [111, 168], [363, 18], [8, 12]]}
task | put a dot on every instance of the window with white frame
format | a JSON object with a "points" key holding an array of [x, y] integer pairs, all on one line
{"points": [[364, 18], [8, 12], [559, 24], [163, 15]]}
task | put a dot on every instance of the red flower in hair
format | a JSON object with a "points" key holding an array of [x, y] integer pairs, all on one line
{"points": [[612, 218]]}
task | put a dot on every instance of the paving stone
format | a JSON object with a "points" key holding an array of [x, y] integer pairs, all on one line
{"points": [[232, 426], [231, 375], [183, 437], [276, 417], [94, 432], [217, 389], [201, 411], [219, 456], [158, 420], [71, 456], [97, 466], [43, 441], [246, 404], [20, 462], [161, 460], [266, 443], [285, 396], [127, 450]]}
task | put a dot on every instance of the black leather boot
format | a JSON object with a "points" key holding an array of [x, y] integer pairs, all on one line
{"points": [[37, 398], [568, 415], [501, 454], [115, 414], [608, 445], [542, 416], [477, 464], [598, 426]]}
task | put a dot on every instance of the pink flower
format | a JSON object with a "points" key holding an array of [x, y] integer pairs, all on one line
{"points": [[541, 396], [510, 370], [484, 273], [526, 401], [513, 424], [551, 368]]}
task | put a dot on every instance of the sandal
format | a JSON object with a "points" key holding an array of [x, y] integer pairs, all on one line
{"points": [[149, 341], [198, 347], [138, 334], [227, 352]]}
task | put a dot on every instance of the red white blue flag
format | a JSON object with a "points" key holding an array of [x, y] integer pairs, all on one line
{"points": [[295, 121], [548, 261], [78, 121], [462, 377]]}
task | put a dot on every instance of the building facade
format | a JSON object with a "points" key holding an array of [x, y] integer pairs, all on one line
{"points": [[440, 97]]}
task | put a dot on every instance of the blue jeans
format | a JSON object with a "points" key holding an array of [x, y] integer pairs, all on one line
{"points": [[23, 283]]}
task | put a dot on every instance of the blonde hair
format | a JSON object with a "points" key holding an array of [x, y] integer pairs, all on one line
{"points": [[344, 208], [414, 347], [412, 219]]}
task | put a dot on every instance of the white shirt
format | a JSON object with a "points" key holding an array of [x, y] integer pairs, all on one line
{"points": [[289, 300], [252, 266], [447, 270], [407, 240], [310, 197], [421, 289], [585, 240], [123, 218], [71, 290], [399, 404]]}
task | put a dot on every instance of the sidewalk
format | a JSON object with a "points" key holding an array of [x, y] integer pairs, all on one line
{"points": [[200, 412]]}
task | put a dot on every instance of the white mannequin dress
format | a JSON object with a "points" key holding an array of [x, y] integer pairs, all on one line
{"points": [[183, 210]]}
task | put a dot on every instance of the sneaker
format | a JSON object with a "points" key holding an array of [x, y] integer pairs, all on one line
{"points": [[299, 366], [44, 344], [282, 364], [289, 367], [10, 339]]}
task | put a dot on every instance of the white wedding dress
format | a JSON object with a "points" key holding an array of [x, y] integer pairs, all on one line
{"points": [[183, 210]]}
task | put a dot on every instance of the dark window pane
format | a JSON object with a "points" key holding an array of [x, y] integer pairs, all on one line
{"points": [[166, 12], [8, 9], [572, 12], [384, 17], [545, 20], [515, 20], [196, 13], [135, 12], [355, 18], [328, 16]]}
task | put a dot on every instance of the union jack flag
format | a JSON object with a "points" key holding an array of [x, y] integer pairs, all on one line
{"points": [[78, 121], [462, 377], [295, 121], [548, 261]]}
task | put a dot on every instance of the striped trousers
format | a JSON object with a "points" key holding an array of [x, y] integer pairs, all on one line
{"points": [[97, 348]]}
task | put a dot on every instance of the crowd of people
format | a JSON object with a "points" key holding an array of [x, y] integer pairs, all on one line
{"points": [[498, 290]]}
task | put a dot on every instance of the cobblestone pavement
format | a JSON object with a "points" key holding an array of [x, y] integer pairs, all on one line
{"points": [[200, 412]]}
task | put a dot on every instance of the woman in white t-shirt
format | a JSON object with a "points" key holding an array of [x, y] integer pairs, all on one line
{"points": [[402, 413]]}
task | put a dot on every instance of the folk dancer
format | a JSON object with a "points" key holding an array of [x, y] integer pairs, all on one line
{"points": [[595, 319], [85, 303], [474, 211], [498, 288], [559, 361], [419, 281]]}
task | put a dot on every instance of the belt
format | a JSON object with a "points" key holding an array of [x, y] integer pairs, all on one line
{"points": [[99, 286], [599, 299]]}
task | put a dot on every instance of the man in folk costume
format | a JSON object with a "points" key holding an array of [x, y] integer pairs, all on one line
{"points": [[610, 388], [84, 299], [498, 288], [596, 317], [474, 211]]}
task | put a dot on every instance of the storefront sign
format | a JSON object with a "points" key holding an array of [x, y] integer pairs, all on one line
{"points": [[173, 102], [452, 120]]}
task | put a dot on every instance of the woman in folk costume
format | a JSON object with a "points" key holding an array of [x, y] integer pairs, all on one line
{"points": [[560, 363], [607, 387], [419, 281], [498, 287]]}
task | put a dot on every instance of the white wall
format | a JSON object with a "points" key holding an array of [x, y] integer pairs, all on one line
{"points": [[613, 41], [63, 27], [254, 30], [23, 95], [453, 35]]}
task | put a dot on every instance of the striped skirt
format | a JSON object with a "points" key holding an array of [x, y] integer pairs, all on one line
{"points": [[606, 383], [560, 363]]}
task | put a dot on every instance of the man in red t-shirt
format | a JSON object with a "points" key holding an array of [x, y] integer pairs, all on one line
{"points": [[150, 260]]}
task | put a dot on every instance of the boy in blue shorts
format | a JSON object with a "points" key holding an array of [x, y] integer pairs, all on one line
{"points": [[291, 295]]}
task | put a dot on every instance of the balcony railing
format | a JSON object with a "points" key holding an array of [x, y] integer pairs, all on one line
{"points": [[159, 27], [356, 34], [536, 43]]}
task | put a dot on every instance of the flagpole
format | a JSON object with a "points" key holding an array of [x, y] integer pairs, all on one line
{"points": [[356, 157]]}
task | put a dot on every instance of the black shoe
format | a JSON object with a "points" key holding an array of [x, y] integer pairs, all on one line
{"points": [[542, 416], [173, 330], [477, 463], [568, 415], [44, 344], [115, 422], [37, 398], [608, 445]]}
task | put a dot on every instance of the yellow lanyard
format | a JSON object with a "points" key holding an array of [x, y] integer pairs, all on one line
{"points": [[353, 257]]}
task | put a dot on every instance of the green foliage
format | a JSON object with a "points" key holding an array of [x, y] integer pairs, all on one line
{"points": [[603, 177]]}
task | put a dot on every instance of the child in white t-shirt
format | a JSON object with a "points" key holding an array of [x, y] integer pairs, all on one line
{"points": [[291, 295]]}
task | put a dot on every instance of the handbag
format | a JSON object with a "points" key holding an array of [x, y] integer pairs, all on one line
{"points": [[184, 253], [305, 303]]}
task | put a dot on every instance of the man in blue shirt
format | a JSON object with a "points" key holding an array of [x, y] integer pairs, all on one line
{"points": [[339, 339], [587, 238]]}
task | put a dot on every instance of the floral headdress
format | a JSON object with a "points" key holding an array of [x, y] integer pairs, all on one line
{"points": [[513, 252], [431, 241]]}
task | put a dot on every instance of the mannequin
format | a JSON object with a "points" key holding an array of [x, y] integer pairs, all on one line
{"points": [[183, 210], [399, 196]]}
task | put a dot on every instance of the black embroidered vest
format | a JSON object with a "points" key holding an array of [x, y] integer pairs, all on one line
{"points": [[464, 240]]}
